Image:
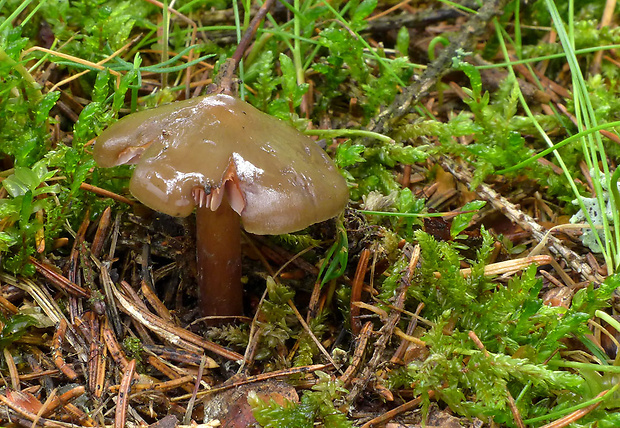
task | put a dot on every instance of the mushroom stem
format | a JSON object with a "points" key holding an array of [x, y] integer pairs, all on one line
{"points": [[218, 253]]}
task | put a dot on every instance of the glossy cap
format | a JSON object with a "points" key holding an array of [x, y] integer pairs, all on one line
{"points": [[277, 179]]}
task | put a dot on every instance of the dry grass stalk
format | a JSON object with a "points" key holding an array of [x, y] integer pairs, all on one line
{"points": [[575, 416], [511, 266]]}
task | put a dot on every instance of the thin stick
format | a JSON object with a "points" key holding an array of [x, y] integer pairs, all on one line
{"points": [[356, 290], [74, 59], [224, 79], [105, 193], [190, 405], [386, 332], [258, 378], [404, 344], [511, 266], [123, 394], [44, 408], [63, 399], [387, 416], [180, 337], [510, 210], [362, 341], [312, 336]]}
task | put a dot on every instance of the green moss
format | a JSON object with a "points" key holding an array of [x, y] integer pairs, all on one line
{"points": [[316, 406]]}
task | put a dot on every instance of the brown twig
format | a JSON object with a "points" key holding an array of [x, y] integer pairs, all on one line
{"points": [[511, 266], [190, 405], [461, 42], [224, 79], [123, 395], [60, 281], [59, 334], [117, 354], [387, 416], [159, 386], [105, 193], [258, 378], [170, 371], [154, 301], [356, 361], [526, 222], [576, 415], [404, 343], [64, 399], [356, 290], [102, 232], [174, 354], [48, 401], [8, 305], [308, 331]]}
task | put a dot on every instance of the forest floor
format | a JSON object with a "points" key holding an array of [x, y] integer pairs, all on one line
{"points": [[470, 280]]}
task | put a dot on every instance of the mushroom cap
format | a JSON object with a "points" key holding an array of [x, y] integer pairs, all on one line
{"points": [[287, 181]]}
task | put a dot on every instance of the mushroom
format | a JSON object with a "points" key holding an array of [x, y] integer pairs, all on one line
{"points": [[238, 166]]}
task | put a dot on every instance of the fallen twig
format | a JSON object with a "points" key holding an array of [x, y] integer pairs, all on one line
{"points": [[123, 395], [462, 42], [387, 416], [574, 260], [511, 266]]}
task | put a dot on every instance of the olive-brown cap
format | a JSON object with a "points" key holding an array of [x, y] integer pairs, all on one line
{"points": [[277, 179]]}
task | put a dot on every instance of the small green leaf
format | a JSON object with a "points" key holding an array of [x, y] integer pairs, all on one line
{"points": [[15, 328], [44, 107], [402, 41], [7, 240], [289, 81], [364, 9], [461, 221], [473, 74]]}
